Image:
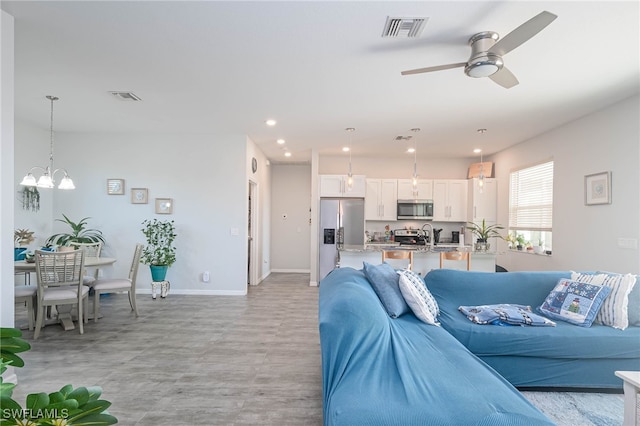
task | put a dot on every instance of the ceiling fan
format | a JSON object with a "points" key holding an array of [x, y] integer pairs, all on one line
{"points": [[487, 50]]}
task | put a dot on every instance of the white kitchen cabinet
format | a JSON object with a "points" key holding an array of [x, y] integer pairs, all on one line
{"points": [[405, 189], [450, 200], [483, 205], [336, 186], [380, 201]]}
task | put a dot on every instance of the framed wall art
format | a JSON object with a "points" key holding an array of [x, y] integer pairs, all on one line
{"points": [[164, 205], [139, 195], [115, 186], [597, 188]]}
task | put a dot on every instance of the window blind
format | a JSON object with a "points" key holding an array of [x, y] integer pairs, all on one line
{"points": [[531, 198]]}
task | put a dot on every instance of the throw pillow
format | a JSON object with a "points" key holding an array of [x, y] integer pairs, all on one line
{"points": [[418, 297], [614, 309], [574, 302], [384, 280], [634, 305], [502, 314]]}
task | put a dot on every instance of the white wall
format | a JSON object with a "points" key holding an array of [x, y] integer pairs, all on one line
{"points": [[6, 168], [396, 168], [205, 175], [291, 196], [584, 237]]}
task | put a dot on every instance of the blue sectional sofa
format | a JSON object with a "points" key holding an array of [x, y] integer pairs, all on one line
{"points": [[564, 356], [379, 370]]}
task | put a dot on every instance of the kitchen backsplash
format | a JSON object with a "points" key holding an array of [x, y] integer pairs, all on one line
{"points": [[378, 228]]}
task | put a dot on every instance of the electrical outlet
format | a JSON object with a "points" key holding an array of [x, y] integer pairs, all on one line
{"points": [[205, 276], [628, 243]]}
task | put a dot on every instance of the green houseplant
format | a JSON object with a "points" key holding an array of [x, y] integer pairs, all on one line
{"points": [[79, 233], [68, 406], [483, 232], [159, 252]]}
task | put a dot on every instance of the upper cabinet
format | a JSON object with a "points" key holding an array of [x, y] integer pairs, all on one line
{"points": [[336, 186], [483, 203], [424, 192], [450, 200], [380, 202]]}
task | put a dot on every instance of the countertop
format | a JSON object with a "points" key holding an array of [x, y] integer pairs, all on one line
{"points": [[377, 247]]}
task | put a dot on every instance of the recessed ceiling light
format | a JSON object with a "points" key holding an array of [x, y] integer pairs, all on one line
{"points": [[287, 154], [477, 151], [345, 149], [270, 122], [411, 150], [280, 141]]}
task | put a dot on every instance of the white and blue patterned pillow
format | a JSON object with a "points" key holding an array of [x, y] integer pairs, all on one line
{"points": [[418, 297], [614, 311], [574, 302]]}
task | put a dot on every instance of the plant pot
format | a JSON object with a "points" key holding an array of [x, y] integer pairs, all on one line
{"points": [[482, 245], [18, 253], [158, 273]]}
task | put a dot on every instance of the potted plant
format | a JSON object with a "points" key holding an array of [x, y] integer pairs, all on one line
{"points": [[68, 406], [483, 232], [520, 241], [79, 234], [159, 252]]}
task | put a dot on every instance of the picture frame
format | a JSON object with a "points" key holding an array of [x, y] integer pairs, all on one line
{"points": [[164, 205], [115, 186], [139, 196], [597, 188]]}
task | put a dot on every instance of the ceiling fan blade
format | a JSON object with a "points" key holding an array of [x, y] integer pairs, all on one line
{"points": [[504, 78], [523, 33], [436, 68]]}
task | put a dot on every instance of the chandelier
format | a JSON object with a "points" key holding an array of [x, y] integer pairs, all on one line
{"points": [[47, 178]]}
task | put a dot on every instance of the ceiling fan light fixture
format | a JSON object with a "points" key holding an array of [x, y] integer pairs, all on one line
{"points": [[484, 66]]}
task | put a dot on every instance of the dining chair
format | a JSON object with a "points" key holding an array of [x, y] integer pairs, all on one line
{"points": [[59, 276], [90, 250], [457, 256], [398, 255], [26, 294], [119, 284]]}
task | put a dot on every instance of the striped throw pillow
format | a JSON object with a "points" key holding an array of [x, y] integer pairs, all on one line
{"points": [[614, 310]]}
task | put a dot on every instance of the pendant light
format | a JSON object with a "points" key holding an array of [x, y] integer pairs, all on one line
{"points": [[481, 173], [414, 179], [350, 174], [47, 178]]}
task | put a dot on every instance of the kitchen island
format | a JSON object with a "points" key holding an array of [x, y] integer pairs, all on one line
{"points": [[424, 258]]}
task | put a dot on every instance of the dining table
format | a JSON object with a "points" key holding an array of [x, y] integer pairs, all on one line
{"points": [[64, 312]]}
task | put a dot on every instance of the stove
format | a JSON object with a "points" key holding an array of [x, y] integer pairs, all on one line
{"points": [[409, 237]]}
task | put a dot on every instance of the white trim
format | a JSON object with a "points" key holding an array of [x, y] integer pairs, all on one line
{"points": [[198, 292], [313, 283], [292, 271]]}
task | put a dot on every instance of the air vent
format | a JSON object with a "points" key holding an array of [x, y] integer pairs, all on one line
{"points": [[404, 27], [126, 96], [402, 138]]}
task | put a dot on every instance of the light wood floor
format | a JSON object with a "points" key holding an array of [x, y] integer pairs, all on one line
{"points": [[193, 360]]}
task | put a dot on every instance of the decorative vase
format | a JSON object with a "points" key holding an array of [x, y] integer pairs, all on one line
{"points": [[158, 272], [482, 245], [18, 253]]}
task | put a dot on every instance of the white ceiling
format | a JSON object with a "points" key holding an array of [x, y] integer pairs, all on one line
{"points": [[318, 68]]}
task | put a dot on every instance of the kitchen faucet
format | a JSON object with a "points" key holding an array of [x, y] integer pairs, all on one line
{"points": [[431, 236]]}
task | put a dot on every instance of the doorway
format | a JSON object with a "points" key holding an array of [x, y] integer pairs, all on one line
{"points": [[252, 232]]}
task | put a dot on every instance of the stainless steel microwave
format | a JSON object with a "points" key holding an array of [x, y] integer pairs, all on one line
{"points": [[415, 209]]}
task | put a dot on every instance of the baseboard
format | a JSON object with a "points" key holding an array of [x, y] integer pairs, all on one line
{"points": [[199, 292], [292, 271], [313, 283]]}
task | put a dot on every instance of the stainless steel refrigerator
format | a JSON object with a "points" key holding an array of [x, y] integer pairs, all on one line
{"points": [[341, 224]]}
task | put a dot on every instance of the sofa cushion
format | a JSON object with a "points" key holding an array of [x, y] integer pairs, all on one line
{"points": [[614, 309], [384, 280], [574, 302], [634, 305], [418, 297]]}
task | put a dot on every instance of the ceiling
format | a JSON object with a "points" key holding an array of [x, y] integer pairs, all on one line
{"points": [[318, 68]]}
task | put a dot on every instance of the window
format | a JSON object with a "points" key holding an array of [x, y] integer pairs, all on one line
{"points": [[531, 204]]}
